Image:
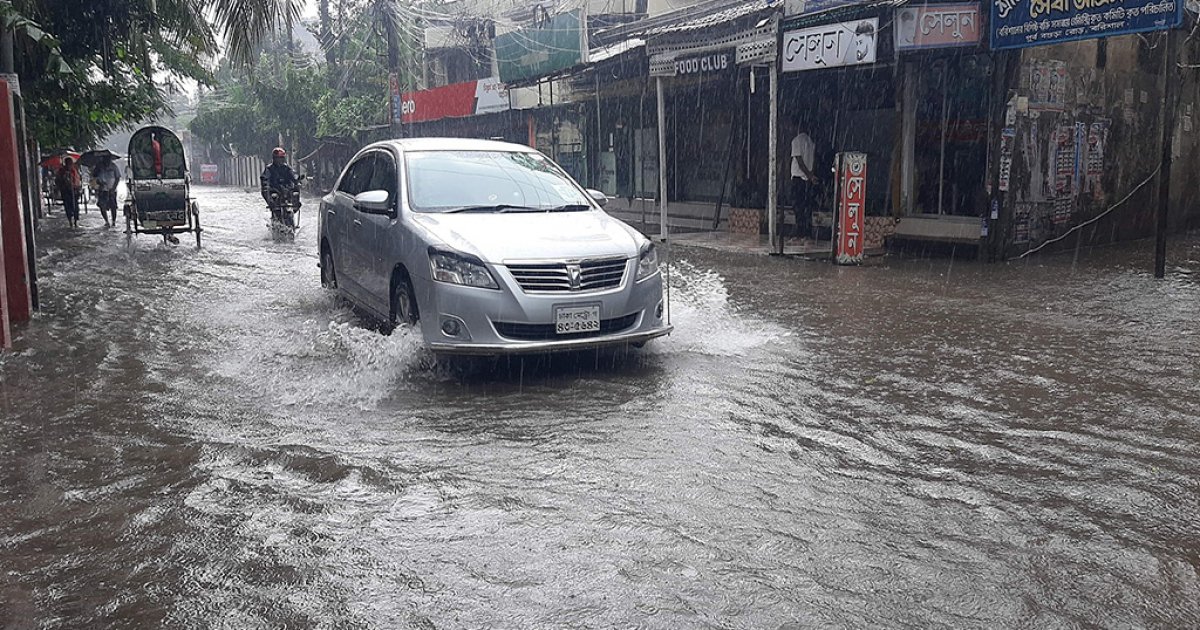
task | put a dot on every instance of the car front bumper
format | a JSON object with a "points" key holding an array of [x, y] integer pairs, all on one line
{"points": [[543, 347], [486, 317]]}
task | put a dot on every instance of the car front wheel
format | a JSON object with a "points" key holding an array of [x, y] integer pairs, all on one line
{"points": [[404, 303]]}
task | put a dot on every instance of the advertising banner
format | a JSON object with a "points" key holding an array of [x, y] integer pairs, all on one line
{"points": [[1021, 23], [938, 26], [208, 173], [848, 245], [455, 101], [552, 44], [830, 46]]}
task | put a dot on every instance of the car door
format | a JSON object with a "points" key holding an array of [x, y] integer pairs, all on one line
{"points": [[351, 248], [376, 279], [333, 219]]}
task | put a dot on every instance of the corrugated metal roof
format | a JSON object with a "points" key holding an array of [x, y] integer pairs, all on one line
{"points": [[720, 17], [608, 52], [834, 13]]}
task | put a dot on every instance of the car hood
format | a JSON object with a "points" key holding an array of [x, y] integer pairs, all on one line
{"points": [[500, 237]]}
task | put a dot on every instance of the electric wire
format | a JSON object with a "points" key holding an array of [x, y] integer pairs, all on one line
{"points": [[1095, 218]]}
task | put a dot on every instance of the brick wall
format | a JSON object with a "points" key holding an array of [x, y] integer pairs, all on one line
{"points": [[745, 221]]}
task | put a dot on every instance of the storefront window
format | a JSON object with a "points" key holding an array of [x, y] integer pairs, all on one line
{"points": [[562, 141], [627, 149], [701, 127], [950, 155], [850, 110]]}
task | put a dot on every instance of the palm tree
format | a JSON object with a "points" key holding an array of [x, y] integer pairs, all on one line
{"points": [[242, 23]]}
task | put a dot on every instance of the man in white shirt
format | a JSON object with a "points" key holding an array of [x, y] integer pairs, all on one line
{"points": [[804, 179]]}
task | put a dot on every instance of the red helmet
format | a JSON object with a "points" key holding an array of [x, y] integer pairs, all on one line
{"points": [[278, 152]]}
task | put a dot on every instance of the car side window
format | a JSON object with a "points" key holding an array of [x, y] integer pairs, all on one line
{"points": [[357, 176], [384, 175]]}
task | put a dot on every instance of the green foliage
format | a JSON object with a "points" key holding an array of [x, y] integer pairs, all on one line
{"points": [[301, 98], [89, 68], [343, 116]]}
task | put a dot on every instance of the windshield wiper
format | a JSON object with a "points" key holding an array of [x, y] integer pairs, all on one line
{"points": [[570, 207], [500, 207]]}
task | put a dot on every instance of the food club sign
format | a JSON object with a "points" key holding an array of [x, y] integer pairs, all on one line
{"points": [[852, 202], [454, 101], [704, 64]]}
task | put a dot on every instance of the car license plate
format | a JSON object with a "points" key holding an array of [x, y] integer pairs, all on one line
{"points": [[569, 320]]}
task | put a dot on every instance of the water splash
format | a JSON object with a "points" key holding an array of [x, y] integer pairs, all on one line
{"points": [[706, 320]]}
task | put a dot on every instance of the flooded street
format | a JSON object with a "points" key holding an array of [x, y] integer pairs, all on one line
{"points": [[207, 439]]}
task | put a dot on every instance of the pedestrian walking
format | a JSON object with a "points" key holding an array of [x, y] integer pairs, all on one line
{"points": [[804, 179], [69, 187], [106, 176]]}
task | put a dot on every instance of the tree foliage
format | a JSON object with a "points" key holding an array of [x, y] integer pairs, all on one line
{"points": [[300, 97], [94, 67]]}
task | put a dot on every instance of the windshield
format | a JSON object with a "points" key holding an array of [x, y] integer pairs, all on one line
{"points": [[444, 181]]}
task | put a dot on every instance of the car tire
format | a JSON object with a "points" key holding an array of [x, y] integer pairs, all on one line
{"points": [[404, 303], [328, 273]]}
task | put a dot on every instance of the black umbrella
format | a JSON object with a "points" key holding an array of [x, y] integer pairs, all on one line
{"points": [[91, 159]]}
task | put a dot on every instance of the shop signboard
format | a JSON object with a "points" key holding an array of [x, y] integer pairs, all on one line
{"points": [[454, 101], [208, 173], [852, 205], [14, 82], [1022, 23], [830, 46], [710, 63], [937, 26], [550, 45]]}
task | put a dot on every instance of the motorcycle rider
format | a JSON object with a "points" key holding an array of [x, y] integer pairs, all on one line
{"points": [[280, 179]]}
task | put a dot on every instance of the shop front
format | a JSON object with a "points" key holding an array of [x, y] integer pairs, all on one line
{"points": [[839, 85], [908, 86], [618, 129], [709, 85], [945, 93], [1087, 123]]}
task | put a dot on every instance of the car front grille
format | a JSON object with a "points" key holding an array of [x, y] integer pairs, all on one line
{"points": [[545, 332], [593, 275]]}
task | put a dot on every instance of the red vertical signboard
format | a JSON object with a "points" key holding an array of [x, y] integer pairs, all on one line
{"points": [[852, 205], [16, 305]]}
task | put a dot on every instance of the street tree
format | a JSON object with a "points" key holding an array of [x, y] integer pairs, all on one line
{"points": [[116, 63]]}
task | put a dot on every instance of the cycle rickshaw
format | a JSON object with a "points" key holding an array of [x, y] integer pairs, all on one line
{"points": [[159, 200]]}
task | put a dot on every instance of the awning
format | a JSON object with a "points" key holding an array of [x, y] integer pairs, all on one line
{"points": [[838, 13], [597, 55], [741, 35], [741, 10]]}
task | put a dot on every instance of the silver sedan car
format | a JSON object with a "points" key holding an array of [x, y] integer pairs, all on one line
{"points": [[487, 248]]}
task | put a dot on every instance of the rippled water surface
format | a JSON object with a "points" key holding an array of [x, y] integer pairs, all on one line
{"points": [[206, 439]]}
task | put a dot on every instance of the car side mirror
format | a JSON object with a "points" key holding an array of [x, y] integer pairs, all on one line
{"points": [[373, 202], [599, 197]]}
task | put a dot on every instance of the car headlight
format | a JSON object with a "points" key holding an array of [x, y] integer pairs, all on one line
{"points": [[460, 269], [647, 262]]}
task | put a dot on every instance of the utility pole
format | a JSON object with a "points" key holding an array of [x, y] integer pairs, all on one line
{"points": [[1170, 78], [388, 15]]}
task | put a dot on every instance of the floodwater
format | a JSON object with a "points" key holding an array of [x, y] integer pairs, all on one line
{"points": [[206, 439]]}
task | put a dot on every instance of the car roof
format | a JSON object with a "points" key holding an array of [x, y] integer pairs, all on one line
{"points": [[451, 144]]}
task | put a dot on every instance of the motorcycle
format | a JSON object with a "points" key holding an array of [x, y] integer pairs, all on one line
{"points": [[284, 205]]}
